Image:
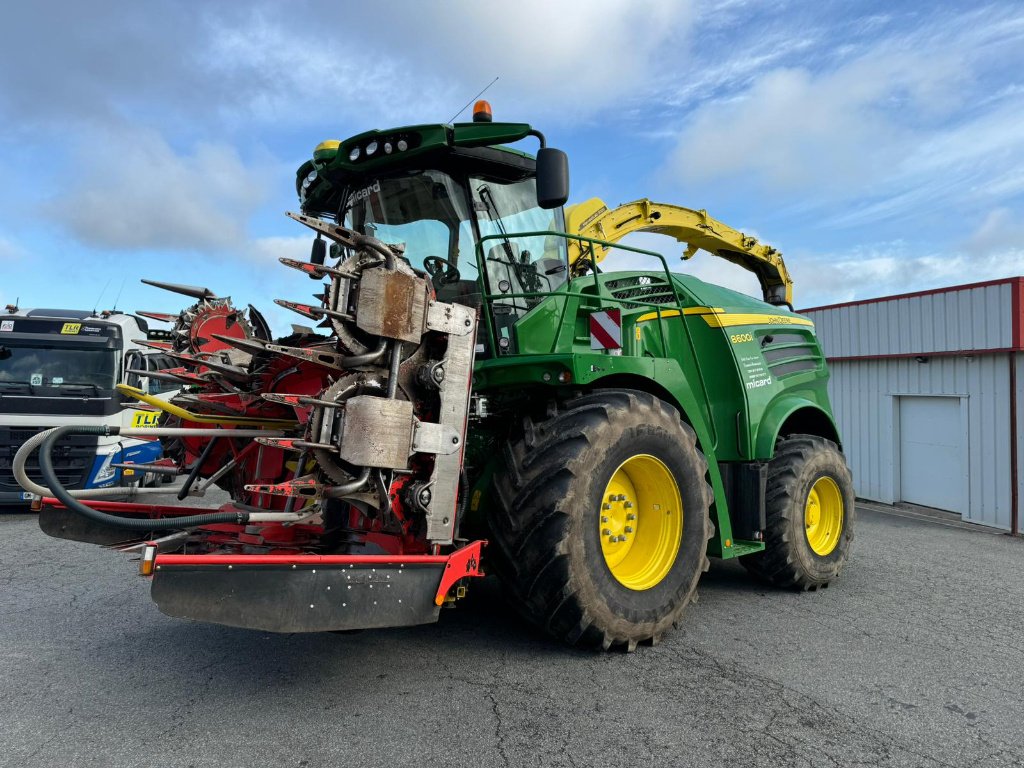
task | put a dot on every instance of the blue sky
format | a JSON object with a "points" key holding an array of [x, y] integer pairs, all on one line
{"points": [[880, 146]]}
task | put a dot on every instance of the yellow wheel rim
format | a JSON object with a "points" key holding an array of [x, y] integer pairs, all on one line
{"points": [[823, 516], [641, 522]]}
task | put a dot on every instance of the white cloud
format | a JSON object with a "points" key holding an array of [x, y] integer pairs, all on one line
{"points": [[568, 59], [793, 130], [968, 166], [887, 268], [331, 79], [577, 56], [324, 61], [131, 190], [1002, 230], [270, 249], [895, 125]]}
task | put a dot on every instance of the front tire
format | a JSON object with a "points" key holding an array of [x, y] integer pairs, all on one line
{"points": [[810, 515], [601, 524]]}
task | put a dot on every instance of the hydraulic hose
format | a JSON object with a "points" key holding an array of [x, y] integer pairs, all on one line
{"points": [[30, 445], [366, 241], [26, 482], [368, 358], [396, 364], [338, 491], [187, 485], [131, 524], [355, 361]]}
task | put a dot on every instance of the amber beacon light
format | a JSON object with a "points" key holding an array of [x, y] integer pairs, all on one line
{"points": [[482, 112]]}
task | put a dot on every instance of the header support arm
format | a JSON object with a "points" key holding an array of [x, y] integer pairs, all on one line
{"points": [[694, 228]]}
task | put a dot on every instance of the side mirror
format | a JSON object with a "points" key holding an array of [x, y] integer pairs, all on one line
{"points": [[552, 177], [319, 252]]}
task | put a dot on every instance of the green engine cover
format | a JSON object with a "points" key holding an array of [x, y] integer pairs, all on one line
{"points": [[738, 368]]}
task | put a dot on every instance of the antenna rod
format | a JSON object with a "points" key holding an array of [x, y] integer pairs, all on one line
{"points": [[118, 297], [100, 297], [452, 119]]}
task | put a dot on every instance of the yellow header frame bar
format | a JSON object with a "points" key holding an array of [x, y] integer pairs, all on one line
{"points": [[695, 229]]}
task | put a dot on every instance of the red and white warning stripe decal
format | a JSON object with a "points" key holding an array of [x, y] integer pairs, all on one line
{"points": [[606, 329]]}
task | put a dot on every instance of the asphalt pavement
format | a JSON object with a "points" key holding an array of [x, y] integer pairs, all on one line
{"points": [[915, 657]]}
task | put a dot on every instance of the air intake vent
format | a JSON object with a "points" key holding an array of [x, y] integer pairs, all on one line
{"points": [[645, 289], [790, 352]]}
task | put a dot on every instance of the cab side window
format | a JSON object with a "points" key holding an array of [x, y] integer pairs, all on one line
{"points": [[133, 362], [158, 362]]}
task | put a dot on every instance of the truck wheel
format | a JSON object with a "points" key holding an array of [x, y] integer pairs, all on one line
{"points": [[810, 515], [600, 522]]}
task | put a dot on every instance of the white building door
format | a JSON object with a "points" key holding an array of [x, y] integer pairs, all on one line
{"points": [[933, 453]]}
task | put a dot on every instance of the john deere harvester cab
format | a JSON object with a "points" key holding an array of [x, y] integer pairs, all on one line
{"points": [[493, 390]]}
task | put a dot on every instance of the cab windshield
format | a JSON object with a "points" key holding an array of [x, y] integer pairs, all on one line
{"points": [[26, 366], [428, 214], [425, 212]]}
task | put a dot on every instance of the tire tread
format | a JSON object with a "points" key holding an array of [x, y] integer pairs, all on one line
{"points": [[778, 564], [530, 530]]}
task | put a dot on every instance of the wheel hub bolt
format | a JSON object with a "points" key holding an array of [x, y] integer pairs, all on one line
{"points": [[629, 529], [622, 538], [607, 506], [604, 518], [631, 516], [606, 532], [628, 505]]}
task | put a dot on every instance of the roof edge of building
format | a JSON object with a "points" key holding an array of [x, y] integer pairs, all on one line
{"points": [[914, 294]]}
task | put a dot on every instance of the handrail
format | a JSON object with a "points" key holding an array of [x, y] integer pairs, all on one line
{"points": [[600, 279]]}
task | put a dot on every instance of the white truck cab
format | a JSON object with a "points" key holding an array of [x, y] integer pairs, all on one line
{"points": [[61, 366]]}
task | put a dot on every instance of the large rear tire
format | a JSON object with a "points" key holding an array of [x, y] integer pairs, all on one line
{"points": [[600, 523], [810, 515]]}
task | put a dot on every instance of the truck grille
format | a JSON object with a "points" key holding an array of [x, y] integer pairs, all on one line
{"points": [[73, 458], [790, 352]]}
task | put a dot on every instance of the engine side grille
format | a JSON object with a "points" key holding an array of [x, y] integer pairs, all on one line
{"points": [[647, 289], [790, 352]]}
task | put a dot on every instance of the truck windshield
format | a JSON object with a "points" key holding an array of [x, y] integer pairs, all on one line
{"points": [[29, 365], [427, 213]]}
